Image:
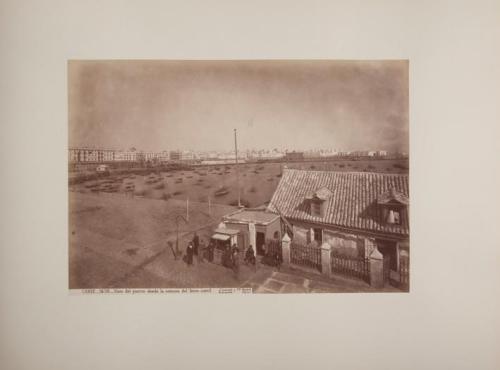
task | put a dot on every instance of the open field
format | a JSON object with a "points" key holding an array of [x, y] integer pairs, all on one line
{"points": [[111, 236], [257, 181]]}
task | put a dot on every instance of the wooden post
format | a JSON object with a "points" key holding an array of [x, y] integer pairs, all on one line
{"points": [[209, 206], [237, 168], [187, 209], [376, 269]]}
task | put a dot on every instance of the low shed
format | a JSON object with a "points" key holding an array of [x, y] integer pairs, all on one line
{"points": [[255, 226], [222, 240]]}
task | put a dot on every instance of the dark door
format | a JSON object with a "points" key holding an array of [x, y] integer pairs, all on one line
{"points": [[260, 240], [388, 250], [241, 243]]}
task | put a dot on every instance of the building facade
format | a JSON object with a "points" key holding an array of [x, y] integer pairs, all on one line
{"points": [[90, 155], [96, 155], [354, 212], [256, 227]]}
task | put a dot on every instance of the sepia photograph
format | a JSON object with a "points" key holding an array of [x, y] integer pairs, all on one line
{"points": [[265, 176], [210, 185]]}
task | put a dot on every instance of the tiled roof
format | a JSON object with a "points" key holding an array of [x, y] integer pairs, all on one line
{"points": [[353, 203]]}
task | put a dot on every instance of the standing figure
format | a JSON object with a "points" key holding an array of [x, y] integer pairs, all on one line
{"points": [[196, 243], [211, 247], [250, 255], [189, 254], [201, 252], [226, 257], [236, 261], [277, 260]]}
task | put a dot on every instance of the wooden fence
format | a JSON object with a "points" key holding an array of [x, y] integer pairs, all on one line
{"points": [[351, 266], [305, 256]]}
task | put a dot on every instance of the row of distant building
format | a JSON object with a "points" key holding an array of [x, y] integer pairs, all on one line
{"points": [[99, 155]]}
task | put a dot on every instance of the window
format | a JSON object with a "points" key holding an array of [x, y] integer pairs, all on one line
{"points": [[316, 208], [393, 216], [318, 235], [396, 217]]}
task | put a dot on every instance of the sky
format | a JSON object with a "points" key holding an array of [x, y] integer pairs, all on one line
{"points": [[196, 105]]}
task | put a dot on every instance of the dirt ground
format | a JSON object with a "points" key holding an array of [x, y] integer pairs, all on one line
{"points": [[120, 242], [111, 235]]}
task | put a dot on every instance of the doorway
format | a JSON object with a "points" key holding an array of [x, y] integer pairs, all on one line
{"points": [[388, 250], [260, 240]]}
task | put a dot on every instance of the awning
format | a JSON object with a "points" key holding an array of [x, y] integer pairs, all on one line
{"points": [[226, 231], [220, 237]]}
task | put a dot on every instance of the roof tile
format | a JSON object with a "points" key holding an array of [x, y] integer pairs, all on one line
{"points": [[353, 203]]}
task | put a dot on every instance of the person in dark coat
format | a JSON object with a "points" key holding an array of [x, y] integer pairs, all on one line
{"points": [[277, 260], [235, 261], [226, 257], [189, 254], [196, 243], [250, 256], [201, 252], [211, 248]]}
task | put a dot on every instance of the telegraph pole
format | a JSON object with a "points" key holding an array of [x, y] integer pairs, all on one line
{"points": [[237, 169]]}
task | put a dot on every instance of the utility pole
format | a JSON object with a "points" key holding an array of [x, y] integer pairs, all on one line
{"points": [[237, 169]]}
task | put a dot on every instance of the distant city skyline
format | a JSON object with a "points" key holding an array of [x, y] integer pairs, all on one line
{"points": [[195, 105], [231, 150]]}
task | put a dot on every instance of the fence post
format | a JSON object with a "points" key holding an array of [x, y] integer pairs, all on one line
{"points": [[370, 245], [376, 269], [326, 259], [285, 247]]}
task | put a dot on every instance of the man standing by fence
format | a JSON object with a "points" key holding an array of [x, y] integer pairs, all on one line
{"points": [[196, 244], [236, 261]]}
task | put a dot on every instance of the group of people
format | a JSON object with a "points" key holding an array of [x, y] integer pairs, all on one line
{"points": [[197, 249], [230, 257]]}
